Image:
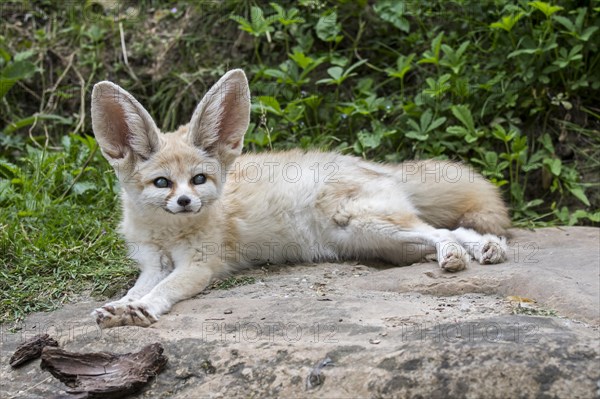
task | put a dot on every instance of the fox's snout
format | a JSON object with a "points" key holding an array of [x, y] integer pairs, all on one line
{"points": [[183, 201]]}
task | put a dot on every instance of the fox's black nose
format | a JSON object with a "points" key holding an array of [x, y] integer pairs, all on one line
{"points": [[184, 200]]}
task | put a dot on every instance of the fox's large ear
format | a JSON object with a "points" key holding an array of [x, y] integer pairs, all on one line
{"points": [[121, 125], [220, 121]]}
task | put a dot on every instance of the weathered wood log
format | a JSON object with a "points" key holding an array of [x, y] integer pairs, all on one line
{"points": [[31, 349], [104, 374]]}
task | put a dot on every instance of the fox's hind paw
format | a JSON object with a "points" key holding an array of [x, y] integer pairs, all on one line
{"points": [[130, 314], [493, 251], [454, 258]]}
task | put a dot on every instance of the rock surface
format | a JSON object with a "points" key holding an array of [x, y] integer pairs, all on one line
{"points": [[413, 331]]}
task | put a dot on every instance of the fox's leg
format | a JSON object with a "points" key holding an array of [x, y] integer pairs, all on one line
{"points": [[149, 277], [485, 248], [393, 234], [154, 266], [184, 282]]}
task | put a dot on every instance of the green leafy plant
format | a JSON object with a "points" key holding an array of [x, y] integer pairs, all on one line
{"points": [[56, 235]]}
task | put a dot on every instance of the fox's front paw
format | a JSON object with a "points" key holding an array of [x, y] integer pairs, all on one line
{"points": [[454, 258], [493, 251], [120, 314]]}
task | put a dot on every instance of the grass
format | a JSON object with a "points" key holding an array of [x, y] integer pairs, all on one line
{"points": [[231, 282], [57, 234]]}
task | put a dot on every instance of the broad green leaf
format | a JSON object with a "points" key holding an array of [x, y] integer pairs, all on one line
{"points": [[243, 23], [354, 66], [519, 144], [577, 191], [327, 81], [491, 158], [313, 101], [550, 46], [80, 188], [403, 65], [30, 120], [95, 33], [436, 44], [8, 169], [301, 59], [24, 55], [507, 22], [287, 18], [555, 165], [393, 12], [327, 27], [547, 143], [462, 88], [4, 56], [413, 124], [566, 22], [531, 166], [457, 130], [14, 72], [469, 138], [463, 47], [257, 136], [463, 114], [523, 51], [417, 136], [438, 87], [425, 119], [276, 73], [279, 9], [380, 129], [500, 133], [534, 203], [270, 104], [258, 24], [594, 217], [544, 7], [436, 123], [588, 32], [433, 56], [294, 111], [335, 72], [368, 139], [575, 216], [339, 60]]}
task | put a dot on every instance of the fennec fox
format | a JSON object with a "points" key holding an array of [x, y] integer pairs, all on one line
{"points": [[194, 208]]}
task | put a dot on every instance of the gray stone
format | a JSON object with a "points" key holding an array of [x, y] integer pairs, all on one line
{"points": [[440, 334]]}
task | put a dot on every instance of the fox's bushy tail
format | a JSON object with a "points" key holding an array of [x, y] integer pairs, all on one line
{"points": [[451, 195]]}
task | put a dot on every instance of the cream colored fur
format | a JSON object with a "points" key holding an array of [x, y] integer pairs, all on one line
{"points": [[272, 207]]}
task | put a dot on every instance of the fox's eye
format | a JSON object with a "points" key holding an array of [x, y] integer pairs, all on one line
{"points": [[162, 182], [199, 179]]}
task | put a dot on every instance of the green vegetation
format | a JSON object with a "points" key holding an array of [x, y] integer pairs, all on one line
{"points": [[534, 311], [510, 87], [233, 281], [57, 228]]}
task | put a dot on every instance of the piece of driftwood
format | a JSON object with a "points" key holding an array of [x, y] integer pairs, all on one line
{"points": [[104, 374], [31, 349]]}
